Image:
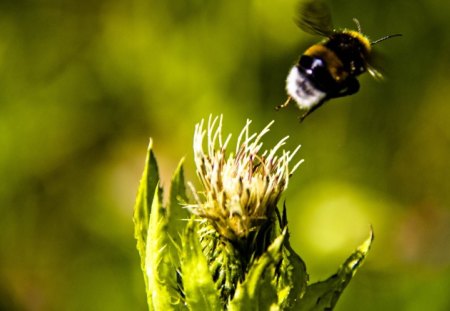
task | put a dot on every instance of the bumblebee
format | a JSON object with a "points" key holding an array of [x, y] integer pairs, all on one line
{"points": [[328, 69]]}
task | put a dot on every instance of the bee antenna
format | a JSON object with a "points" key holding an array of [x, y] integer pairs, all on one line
{"points": [[358, 25], [385, 38]]}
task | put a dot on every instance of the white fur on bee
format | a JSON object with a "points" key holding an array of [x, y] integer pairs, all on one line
{"points": [[302, 91]]}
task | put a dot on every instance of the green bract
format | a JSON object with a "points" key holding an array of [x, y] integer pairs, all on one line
{"points": [[229, 250]]}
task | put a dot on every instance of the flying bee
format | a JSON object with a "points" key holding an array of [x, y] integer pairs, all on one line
{"points": [[328, 69]]}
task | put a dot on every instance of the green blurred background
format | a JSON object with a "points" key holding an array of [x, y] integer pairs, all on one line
{"points": [[84, 84]]}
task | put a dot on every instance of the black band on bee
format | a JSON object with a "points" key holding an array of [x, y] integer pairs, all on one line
{"points": [[317, 71]]}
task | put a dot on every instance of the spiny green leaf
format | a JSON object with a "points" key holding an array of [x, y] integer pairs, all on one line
{"points": [[198, 283], [161, 271], [293, 277], [258, 291], [324, 295], [177, 214], [148, 184], [178, 188]]}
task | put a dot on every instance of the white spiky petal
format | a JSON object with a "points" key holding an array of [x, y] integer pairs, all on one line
{"points": [[241, 190]]}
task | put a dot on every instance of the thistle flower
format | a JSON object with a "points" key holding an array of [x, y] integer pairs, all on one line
{"points": [[240, 191], [233, 253], [237, 205]]}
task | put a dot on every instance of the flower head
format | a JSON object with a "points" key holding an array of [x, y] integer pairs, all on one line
{"points": [[240, 190]]}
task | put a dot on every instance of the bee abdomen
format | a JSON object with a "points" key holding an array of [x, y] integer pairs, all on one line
{"points": [[300, 87]]}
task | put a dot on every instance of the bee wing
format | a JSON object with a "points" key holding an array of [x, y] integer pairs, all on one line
{"points": [[378, 60], [376, 64], [377, 75], [314, 17]]}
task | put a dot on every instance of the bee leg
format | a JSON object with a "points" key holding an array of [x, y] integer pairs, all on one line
{"points": [[284, 104], [352, 88], [308, 112]]}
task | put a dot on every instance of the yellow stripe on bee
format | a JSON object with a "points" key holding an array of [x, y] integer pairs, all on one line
{"points": [[360, 37], [334, 64]]}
